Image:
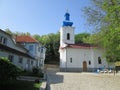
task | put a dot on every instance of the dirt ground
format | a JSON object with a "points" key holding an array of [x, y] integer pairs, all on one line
{"points": [[82, 81]]}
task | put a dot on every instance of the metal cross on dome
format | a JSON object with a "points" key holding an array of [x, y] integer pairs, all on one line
{"points": [[67, 15]]}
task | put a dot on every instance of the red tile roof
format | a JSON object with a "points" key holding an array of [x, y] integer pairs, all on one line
{"points": [[79, 46], [25, 39]]}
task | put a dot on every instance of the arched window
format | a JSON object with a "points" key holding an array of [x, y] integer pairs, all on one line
{"points": [[89, 62], [68, 36], [41, 50], [70, 60], [5, 41], [99, 60]]}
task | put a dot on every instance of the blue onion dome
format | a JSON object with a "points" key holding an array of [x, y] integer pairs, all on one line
{"points": [[67, 22]]}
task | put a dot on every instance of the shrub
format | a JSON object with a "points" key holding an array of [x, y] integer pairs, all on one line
{"points": [[8, 71], [35, 70], [41, 75], [37, 81]]}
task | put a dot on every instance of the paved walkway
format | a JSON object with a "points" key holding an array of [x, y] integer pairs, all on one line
{"points": [[82, 81]]}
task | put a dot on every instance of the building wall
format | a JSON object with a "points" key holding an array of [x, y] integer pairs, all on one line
{"points": [[19, 48], [63, 35], [32, 47], [99, 53], [24, 47], [62, 58], [42, 56], [78, 56], [37, 51], [11, 42], [26, 62], [73, 61]]}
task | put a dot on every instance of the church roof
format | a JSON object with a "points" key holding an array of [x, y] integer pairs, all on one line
{"points": [[25, 39], [83, 45]]}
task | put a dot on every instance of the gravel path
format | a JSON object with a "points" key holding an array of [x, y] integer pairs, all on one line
{"points": [[82, 81]]}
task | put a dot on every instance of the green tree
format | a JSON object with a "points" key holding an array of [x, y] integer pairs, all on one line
{"points": [[81, 37], [104, 16], [51, 42], [16, 33], [8, 31]]}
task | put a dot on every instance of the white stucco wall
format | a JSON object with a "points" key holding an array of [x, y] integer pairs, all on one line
{"points": [[19, 48], [22, 65], [63, 35], [62, 58], [37, 53], [32, 52], [11, 43], [99, 53], [42, 56], [79, 55]]}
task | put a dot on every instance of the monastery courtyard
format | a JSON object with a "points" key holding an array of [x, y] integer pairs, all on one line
{"points": [[82, 81]]}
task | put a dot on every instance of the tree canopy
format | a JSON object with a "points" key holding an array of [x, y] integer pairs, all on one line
{"points": [[104, 16]]}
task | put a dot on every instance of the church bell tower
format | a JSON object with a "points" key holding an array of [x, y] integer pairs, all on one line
{"points": [[67, 32]]}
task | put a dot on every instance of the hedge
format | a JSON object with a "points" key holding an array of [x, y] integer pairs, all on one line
{"points": [[8, 71]]}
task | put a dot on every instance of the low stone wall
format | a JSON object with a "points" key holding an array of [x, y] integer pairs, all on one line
{"points": [[49, 67], [77, 69], [27, 78]]}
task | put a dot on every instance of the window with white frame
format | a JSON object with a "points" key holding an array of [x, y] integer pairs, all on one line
{"points": [[11, 58], [28, 61], [41, 50], [38, 49], [31, 47], [31, 62], [99, 60], [5, 41], [20, 60]]}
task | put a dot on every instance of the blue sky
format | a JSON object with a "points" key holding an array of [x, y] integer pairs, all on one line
{"points": [[41, 16]]}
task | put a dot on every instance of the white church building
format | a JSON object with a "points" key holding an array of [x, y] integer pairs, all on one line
{"points": [[74, 57]]}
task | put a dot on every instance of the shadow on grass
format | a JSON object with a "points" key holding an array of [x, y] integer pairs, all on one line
{"points": [[20, 85], [27, 73]]}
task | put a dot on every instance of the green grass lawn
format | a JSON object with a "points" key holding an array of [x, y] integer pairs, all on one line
{"points": [[21, 85]]}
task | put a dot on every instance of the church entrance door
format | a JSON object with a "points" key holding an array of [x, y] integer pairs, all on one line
{"points": [[84, 66]]}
